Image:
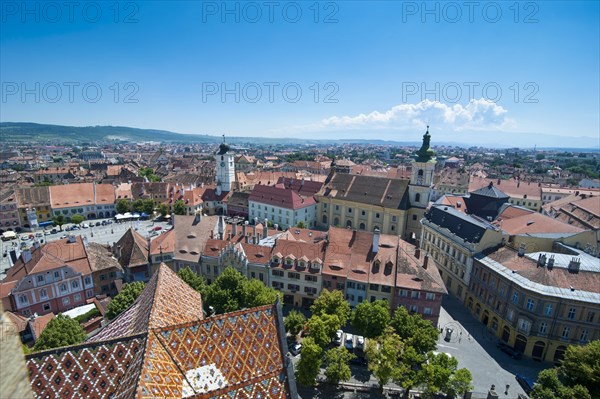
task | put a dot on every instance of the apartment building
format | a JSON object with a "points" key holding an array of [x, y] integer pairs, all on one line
{"points": [[284, 206], [540, 302]]}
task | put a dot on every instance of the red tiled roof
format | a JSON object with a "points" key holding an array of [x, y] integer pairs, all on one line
{"points": [[536, 223], [281, 197]]}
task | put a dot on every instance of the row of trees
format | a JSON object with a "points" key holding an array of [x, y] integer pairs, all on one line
{"points": [[148, 206], [60, 220], [399, 347], [148, 173]]}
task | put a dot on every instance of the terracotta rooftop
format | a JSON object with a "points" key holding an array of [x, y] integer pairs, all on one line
{"points": [[412, 274], [279, 196], [536, 223], [512, 187], [191, 235], [133, 249], [164, 243], [72, 195], [389, 193]]}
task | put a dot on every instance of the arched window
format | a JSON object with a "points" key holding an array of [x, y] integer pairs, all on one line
{"points": [[417, 197], [349, 223], [324, 219], [336, 222], [362, 226], [420, 172]]}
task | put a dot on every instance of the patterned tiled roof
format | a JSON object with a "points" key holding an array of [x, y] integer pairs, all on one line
{"points": [[166, 300], [233, 355]]}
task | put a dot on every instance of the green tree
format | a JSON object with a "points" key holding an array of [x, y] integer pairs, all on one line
{"points": [[77, 219], [179, 208], [383, 354], [333, 303], [256, 293], [137, 206], [123, 206], [548, 386], [371, 318], [194, 280], [336, 364], [294, 322], [581, 365], [408, 373], [322, 328], [163, 209], [60, 331], [308, 367], [232, 291], [301, 225], [59, 220], [124, 299], [414, 330], [148, 206], [440, 373]]}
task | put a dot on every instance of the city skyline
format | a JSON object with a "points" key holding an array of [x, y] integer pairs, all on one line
{"points": [[494, 74]]}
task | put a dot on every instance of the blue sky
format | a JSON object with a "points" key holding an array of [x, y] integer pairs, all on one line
{"points": [[502, 73]]}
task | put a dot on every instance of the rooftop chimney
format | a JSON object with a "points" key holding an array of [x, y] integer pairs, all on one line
{"points": [[276, 227], [375, 248], [417, 253], [26, 254], [148, 241], [266, 228], [234, 228], [71, 239], [244, 227], [551, 262], [425, 261], [198, 217], [541, 260], [521, 250], [574, 265]]}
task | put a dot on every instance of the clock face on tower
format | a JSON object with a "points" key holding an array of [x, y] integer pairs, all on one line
{"points": [[222, 164]]}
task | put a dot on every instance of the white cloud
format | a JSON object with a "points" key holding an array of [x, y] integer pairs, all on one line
{"points": [[478, 114]]}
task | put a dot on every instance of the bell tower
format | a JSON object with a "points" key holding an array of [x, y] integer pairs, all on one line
{"points": [[421, 179], [225, 169]]}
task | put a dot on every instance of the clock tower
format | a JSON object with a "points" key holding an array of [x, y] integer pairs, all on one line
{"points": [[225, 172], [421, 178]]}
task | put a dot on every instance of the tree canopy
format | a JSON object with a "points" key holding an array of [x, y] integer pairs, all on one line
{"points": [[232, 291], [333, 303], [124, 299], [309, 364], [371, 318], [322, 328], [384, 353], [294, 322], [581, 365], [59, 220], [414, 330], [60, 331], [548, 386], [123, 206], [77, 219], [194, 280], [336, 364], [179, 208]]}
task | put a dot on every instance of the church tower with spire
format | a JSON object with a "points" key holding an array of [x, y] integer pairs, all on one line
{"points": [[225, 172], [420, 185]]}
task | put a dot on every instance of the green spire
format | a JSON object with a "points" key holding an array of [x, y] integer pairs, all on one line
{"points": [[425, 153]]}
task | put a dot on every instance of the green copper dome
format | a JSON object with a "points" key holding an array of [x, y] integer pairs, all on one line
{"points": [[425, 153]]}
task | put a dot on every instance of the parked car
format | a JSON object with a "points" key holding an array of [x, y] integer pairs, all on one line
{"points": [[53, 231], [525, 383], [509, 350], [85, 225], [359, 361], [338, 337], [360, 342], [295, 349], [98, 224], [104, 223], [39, 235], [349, 341], [157, 228], [62, 237]]}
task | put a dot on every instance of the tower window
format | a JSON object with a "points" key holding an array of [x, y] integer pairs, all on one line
{"points": [[420, 172], [417, 195]]}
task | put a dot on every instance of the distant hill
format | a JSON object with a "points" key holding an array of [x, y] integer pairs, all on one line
{"points": [[34, 132], [44, 133]]}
